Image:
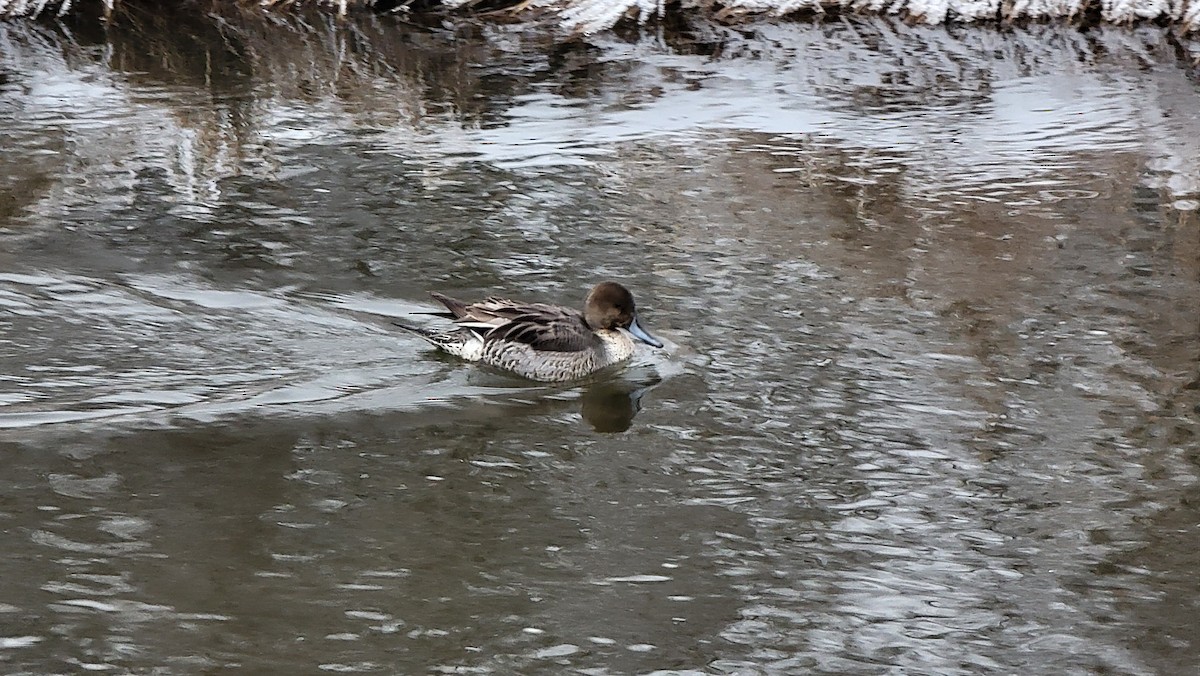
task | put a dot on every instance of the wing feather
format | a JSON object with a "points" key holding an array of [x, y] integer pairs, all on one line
{"points": [[548, 328]]}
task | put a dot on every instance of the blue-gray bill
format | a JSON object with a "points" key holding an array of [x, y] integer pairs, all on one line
{"points": [[641, 334]]}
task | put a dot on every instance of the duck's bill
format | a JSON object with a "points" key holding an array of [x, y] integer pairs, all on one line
{"points": [[641, 334]]}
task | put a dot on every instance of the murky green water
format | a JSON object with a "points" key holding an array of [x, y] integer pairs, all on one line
{"points": [[928, 403]]}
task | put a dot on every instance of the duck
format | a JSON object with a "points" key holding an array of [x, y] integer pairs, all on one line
{"points": [[547, 343]]}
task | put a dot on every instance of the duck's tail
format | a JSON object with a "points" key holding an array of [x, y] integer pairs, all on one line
{"points": [[437, 338], [457, 309], [459, 342]]}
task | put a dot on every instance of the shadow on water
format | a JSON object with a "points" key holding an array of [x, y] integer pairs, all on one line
{"points": [[929, 403]]}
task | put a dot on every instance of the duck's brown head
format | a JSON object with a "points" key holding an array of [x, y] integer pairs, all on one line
{"points": [[610, 306]]}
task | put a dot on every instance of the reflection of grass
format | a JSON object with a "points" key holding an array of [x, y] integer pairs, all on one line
{"points": [[377, 66], [586, 16], [233, 87], [193, 100]]}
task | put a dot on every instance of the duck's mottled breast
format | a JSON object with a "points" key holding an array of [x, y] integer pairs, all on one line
{"points": [[610, 347]]}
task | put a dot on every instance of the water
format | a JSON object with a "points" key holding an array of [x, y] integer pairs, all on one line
{"points": [[928, 402]]}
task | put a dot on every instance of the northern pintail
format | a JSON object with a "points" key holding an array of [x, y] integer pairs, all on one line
{"points": [[543, 342]]}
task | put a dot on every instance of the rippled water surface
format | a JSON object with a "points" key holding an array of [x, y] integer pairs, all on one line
{"points": [[928, 402]]}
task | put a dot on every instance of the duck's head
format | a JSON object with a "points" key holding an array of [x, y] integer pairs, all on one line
{"points": [[610, 306]]}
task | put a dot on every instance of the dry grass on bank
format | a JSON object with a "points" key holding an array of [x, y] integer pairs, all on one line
{"points": [[590, 16]]}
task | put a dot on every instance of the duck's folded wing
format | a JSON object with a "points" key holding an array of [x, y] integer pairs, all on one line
{"points": [[483, 316], [546, 328]]}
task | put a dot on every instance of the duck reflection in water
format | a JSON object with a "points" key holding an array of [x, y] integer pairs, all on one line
{"points": [[608, 401], [610, 405]]}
